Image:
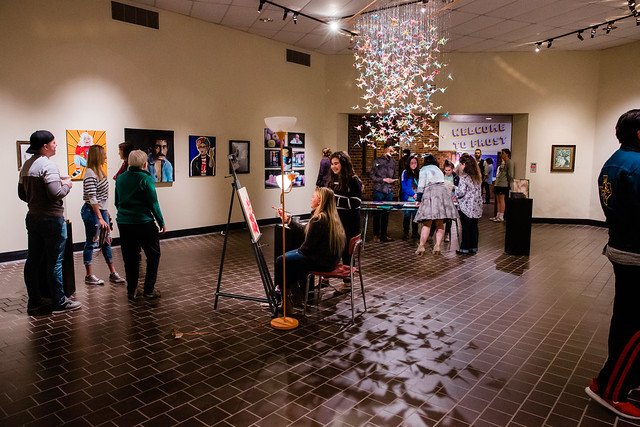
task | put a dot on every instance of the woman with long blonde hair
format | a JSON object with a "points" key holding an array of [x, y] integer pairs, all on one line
{"points": [[323, 243], [96, 218]]}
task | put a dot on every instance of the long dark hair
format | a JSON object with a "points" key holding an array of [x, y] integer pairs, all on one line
{"points": [[471, 168], [413, 173], [346, 172]]}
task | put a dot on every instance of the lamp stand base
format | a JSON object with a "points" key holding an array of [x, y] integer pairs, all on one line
{"points": [[284, 323]]}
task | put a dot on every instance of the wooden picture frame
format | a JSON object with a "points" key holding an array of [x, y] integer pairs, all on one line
{"points": [[21, 149], [563, 158], [242, 156]]}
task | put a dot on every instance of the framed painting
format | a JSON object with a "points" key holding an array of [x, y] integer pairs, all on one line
{"points": [[21, 149], [158, 144], [295, 139], [202, 155], [563, 158], [240, 156], [78, 143], [298, 159]]}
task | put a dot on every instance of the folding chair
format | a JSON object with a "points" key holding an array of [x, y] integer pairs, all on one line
{"points": [[340, 272]]}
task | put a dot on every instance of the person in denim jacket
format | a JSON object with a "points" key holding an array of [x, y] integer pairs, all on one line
{"points": [[383, 177]]}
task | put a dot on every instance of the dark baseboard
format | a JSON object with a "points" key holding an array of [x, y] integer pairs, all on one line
{"points": [[574, 221], [79, 246]]}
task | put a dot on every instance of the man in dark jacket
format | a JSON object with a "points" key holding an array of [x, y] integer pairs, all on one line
{"points": [[619, 188], [383, 176]]}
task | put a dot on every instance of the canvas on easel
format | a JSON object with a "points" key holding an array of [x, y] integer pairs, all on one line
{"points": [[252, 223]]}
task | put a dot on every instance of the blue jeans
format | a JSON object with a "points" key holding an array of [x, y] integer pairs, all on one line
{"points": [[381, 219], [46, 237], [92, 232]]}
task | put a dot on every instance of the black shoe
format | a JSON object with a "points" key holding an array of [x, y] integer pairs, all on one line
{"points": [[386, 239], [405, 236], [152, 295], [133, 297], [462, 252], [40, 309]]}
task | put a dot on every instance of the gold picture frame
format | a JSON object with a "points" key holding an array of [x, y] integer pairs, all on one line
{"points": [[563, 158]]}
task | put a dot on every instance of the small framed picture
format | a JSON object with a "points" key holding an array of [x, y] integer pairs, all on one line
{"points": [[563, 158], [295, 139], [21, 149], [241, 156], [271, 158], [298, 159]]}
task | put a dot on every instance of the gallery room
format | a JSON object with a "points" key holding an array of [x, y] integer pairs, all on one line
{"points": [[434, 338]]}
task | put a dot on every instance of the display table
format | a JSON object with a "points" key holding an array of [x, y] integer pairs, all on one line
{"points": [[373, 206]]}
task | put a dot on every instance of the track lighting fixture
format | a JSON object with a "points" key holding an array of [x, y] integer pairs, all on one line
{"points": [[284, 15], [593, 29], [260, 6], [295, 17]]}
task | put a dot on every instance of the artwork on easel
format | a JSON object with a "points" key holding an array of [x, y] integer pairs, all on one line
{"points": [[249, 215]]}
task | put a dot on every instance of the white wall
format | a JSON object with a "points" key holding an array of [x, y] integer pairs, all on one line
{"points": [[562, 97], [66, 65]]}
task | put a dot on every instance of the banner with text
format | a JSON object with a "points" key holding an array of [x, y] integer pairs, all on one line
{"points": [[467, 137]]}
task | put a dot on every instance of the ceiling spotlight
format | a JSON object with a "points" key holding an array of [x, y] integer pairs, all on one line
{"points": [[593, 31], [261, 5], [352, 38], [334, 25], [295, 17], [549, 43], [284, 15], [637, 20], [632, 5], [609, 27], [580, 35], [538, 46]]}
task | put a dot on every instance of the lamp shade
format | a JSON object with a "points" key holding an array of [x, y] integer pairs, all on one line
{"points": [[284, 182], [280, 123]]}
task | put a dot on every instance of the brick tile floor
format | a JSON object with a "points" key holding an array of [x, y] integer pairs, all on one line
{"points": [[488, 340]]}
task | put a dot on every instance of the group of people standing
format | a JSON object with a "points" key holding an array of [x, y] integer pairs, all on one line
{"points": [[42, 187]]}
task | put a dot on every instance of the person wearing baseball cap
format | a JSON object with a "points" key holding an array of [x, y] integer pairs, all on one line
{"points": [[42, 188]]}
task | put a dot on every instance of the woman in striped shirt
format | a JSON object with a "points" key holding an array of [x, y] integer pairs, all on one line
{"points": [[95, 216]]}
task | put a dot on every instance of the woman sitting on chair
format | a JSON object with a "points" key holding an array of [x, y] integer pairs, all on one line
{"points": [[322, 246]]}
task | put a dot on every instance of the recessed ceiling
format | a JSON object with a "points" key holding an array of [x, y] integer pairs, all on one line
{"points": [[475, 25]]}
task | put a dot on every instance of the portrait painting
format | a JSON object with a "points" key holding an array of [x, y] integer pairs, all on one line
{"points": [[295, 139], [78, 143], [563, 158], [202, 155], [239, 150], [158, 144]]}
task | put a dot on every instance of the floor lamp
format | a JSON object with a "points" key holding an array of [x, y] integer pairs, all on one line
{"points": [[281, 125]]}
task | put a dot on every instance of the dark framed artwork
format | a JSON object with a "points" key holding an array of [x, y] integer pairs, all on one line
{"points": [[271, 139], [563, 158], [21, 149], [202, 155], [271, 159], [270, 178], [298, 159], [295, 139], [241, 156], [158, 144]]}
